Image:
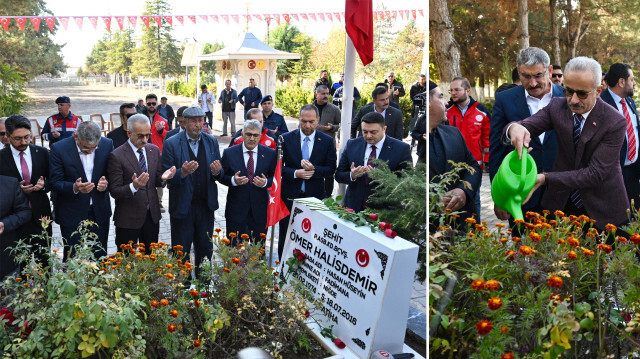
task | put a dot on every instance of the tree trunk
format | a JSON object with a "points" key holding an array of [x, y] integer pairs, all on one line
{"points": [[447, 50], [523, 24], [555, 32]]}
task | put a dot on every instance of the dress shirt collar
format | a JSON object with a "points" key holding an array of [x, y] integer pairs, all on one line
{"points": [[379, 143], [189, 139], [584, 115], [16, 153], [245, 149], [135, 150], [548, 94], [616, 98]]}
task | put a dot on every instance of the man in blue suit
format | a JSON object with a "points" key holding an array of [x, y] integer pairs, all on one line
{"points": [[78, 178], [308, 159], [619, 95], [518, 103], [248, 172], [193, 193], [358, 158]]}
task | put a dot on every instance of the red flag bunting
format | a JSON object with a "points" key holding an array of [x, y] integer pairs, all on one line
{"points": [[406, 14], [107, 22], [158, 20], [180, 19], [205, 18], [192, 18], [375, 16], [51, 21], [277, 16], [257, 16], [337, 16], [394, 14], [268, 18], [321, 16], [313, 17], [94, 21], [328, 15], [286, 18], [133, 20], [388, 14], [225, 18], [145, 20], [276, 209], [247, 17], [36, 23], [120, 21], [215, 18], [169, 20], [413, 12], [236, 18], [79, 21], [421, 12], [20, 20], [295, 16], [304, 16], [5, 23], [64, 21], [401, 14], [359, 26]]}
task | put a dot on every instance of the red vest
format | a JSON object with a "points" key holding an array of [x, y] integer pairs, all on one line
{"points": [[264, 140], [474, 127]]}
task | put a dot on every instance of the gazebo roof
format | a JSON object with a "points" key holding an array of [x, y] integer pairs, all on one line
{"points": [[249, 48]]}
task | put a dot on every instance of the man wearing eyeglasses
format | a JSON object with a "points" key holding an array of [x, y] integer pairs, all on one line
{"points": [[78, 172], [119, 135], [248, 172], [517, 104], [4, 138], [61, 125], [556, 75], [587, 178], [620, 96], [135, 171]]}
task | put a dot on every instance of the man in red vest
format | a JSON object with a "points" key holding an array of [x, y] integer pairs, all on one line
{"points": [[267, 139], [61, 125]]}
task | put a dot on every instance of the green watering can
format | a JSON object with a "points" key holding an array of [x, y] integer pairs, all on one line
{"points": [[513, 182]]}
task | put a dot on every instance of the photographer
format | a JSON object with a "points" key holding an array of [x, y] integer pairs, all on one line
{"points": [[417, 88]]}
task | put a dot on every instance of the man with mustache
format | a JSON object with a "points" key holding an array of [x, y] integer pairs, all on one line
{"points": [[587, 178], [518, 103]]}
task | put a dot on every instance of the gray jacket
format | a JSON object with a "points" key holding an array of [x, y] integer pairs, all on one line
{"points": [[330, 114]]}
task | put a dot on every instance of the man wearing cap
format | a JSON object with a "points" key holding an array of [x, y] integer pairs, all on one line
{"points": [[166, 111], [119, 135], [205, 101], [140, 106], [180, 124], [250, 96], [193, 193], [266, 139], [273, 121], [61, 125]]}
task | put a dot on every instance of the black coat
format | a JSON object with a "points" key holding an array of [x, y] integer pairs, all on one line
{"points": [[14, 212]]}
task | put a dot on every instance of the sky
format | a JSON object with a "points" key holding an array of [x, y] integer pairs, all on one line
{"points": [[78, 43]]}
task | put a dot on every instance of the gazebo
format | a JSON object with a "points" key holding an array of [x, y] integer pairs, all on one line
{"points": [[245, 59]]}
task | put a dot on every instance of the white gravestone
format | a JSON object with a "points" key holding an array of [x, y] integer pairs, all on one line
{"points": [[363, 278]]}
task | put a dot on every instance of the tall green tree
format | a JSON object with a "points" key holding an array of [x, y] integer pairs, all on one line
{"points": [[157, 54], [289, 38], [96, 61], [119, 55], [208, 68], [33, 53]]}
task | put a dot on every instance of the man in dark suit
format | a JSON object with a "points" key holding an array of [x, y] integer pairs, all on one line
{"points": [[29, 164], [587, 178], [517, 104], [392, 117], [248, 172], [78, 170], [359, 155], [14, 212], [166, 111], [119, 135], [619, 95], [193, 193], [447, 144], [308, 159], [135, 170]]}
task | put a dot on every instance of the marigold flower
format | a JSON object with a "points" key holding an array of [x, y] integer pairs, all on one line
{"points": [[635, 238], [534, 236], [226, 241], [470, 220], [471, 235], [226, 270], [525, 250], [610, 228], [169, 265], [508, 355], [275, 274], [573, 242], [621, 239], [572, 217], [587, 252], [605, 248], [233, 235], [494, 303], [477, 284], [173, 312], [218, 230], [196, 303], [19, 279], [511, 255], [171, 328], [554, 281], [500, 225], [194, 293], [504, 329], [244, 236], [276, 288], [235, 260], [164, 302], [492, 284], [516, 239], [263, 236], [555, 297], [484, 327], [572, 255], [178, 247], [196, 343], [529, 226], [518, 221], [159, 269], [180, 326], [561, 241], [254, 259], [154, 303]]}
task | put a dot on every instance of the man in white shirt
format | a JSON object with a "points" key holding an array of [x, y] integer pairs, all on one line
{"points": [[205, 100]]}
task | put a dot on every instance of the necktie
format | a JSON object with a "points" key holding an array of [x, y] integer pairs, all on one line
{"points": [[372, 156], [577, 131], [250, 171], [143, 164], [631, 150], [305, 156], [25, 169]]}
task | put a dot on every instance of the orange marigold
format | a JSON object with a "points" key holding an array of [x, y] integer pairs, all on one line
{"points": [[572, 255], [610, 228], [518, 221], [558, 214], [554, 281], [484, 327], [534, 236], [525, 250], [226, 270], [492, 284], [530, 215], [494, 303], [164, 302], [477, 284], [508, 355], [621, 239], [233, 235], [169, 265], [511, 255], [573, 242], [516, 239], [504, 329], [587, 252], [500, 225], [171, 328], [561, 241], [553, 222], [235, 260], [470, 220], [635, 238], [154, 303], [196, 343], [503, 240], [226, 241], [605, 248], [555, 297], [173, 313], [244, 236]]}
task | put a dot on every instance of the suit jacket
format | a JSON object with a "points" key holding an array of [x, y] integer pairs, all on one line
{"points": [[40, 205], [392, 119], [175, 153], [606, 97], [65, 167], [455, 149], [14, 212], [396, 153], [131, 208], [593, 167], [511, 105], [118, 136], [323, 156], [172, 132], [242, 198]]}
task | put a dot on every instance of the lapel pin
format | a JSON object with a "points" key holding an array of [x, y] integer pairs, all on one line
{"points": [[594, 123]]}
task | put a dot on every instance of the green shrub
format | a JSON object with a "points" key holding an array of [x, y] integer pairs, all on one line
{"points": [[291, 98], [12, 97], [187, 89]]}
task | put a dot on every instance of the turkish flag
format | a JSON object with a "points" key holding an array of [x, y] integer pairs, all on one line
{"points": [[359, 26], [169, 20], [119, 20], [276, 209], [36, 23]]}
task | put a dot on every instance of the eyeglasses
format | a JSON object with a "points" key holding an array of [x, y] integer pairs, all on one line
{"points": [[537, 76], [151, 103], [20, 139], [130, 114], [581, 94], [557, 75], [254, 135], [3, 134], [143, 135]]}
